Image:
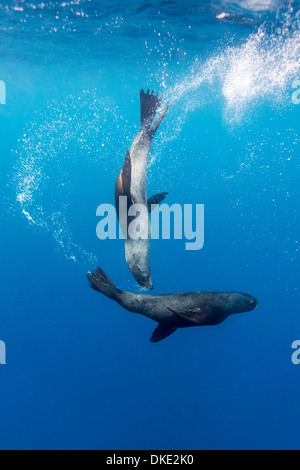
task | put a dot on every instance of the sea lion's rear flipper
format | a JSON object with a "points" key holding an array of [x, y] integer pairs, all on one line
{"points": [[155, 200], [149, 106], [100, 282], [159, 120], [184, 316], [161, 332]]}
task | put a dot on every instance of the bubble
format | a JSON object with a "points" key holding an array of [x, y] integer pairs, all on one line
{"points": [[61, 143], [259, 70]]}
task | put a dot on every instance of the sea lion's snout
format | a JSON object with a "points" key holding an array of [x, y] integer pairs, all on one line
{"points": [[250, 303], [146, 283], [253, 302], [142, 275], [240, 302]]}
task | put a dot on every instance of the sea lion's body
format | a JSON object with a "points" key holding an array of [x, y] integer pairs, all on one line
{"points": [[178, 310], [139, 155], [132, 183]]}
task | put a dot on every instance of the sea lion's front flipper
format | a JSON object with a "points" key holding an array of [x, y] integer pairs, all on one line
{"points": [[161, 332], [184, 316], [126, 174], [123, 183], [149, 106], [155, 200]]}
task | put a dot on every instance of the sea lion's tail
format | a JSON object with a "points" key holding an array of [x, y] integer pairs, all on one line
{"points": [[100, 282], [149, 106]]}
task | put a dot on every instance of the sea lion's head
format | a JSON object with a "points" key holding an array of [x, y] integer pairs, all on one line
{"points": [[240, 302], [142, 276], [138, 262]]}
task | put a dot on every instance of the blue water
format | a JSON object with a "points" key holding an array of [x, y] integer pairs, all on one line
{"points": [[81, 371]]}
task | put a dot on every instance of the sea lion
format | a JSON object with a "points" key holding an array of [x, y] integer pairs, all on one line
{"points": [[132, 183], [177, 310]]}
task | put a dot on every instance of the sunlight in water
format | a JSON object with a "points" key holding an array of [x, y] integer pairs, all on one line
{"points": [[261, 69]]}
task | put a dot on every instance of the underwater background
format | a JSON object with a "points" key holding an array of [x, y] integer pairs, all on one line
{"points": [[81, 371]]}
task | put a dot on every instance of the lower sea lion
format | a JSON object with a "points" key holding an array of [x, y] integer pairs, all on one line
{"points": [[177, 310], [132, 183]]}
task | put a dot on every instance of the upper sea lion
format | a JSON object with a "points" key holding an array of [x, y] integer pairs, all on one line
{"points": [[132, 183]]}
